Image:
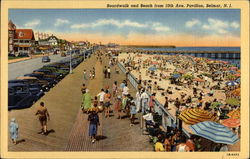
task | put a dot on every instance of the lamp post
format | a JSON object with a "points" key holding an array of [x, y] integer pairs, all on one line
{"points": [[70, 66]]}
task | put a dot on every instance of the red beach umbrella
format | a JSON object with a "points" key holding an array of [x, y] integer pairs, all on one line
{"points": [[198, 80], [231, 123]]}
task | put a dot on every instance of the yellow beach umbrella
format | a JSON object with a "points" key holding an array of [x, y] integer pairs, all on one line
{"points": [[234, 114], [194, 115]]}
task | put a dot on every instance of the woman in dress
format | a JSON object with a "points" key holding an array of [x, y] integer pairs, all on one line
{"points": [[118, 106], [13, 130]]}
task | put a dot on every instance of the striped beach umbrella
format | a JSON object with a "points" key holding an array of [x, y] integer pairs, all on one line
{"points": [[231, 83], [215, 132], [231, 123], [234, 114], [194, 115], [236, 92]]}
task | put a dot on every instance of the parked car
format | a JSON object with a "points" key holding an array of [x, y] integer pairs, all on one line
{"points": [[52, 82], [49, 74], [20, 96], [56, 70], [34, 80], [45, 59]]}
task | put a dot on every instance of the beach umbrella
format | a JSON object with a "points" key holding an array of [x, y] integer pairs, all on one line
{"points": [[236, 92], [231, 83], [232, 72], [238, 80], [152, 68], [215, 105], [215, 132], [237, 75], [198, 80], [154, 62], [233, 68], [231, 123], [176, 75], [195, 115], [218, 72], [234, 114], [187, 76], [233, 101], [238, 71]]}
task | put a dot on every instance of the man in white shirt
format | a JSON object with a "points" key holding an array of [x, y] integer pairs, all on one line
{"points": [[101, 96], [109, 72], [145, 101], [138, 101], [125, 90]]}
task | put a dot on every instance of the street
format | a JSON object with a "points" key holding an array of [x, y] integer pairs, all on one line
{"points": [[28, 66]]}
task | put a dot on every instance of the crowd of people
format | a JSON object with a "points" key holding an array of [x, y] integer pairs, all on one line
{"points": [[185, 82]]}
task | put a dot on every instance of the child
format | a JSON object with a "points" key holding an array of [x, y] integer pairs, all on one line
{"points": [[13, 130], [95, 104], [132, 111]]}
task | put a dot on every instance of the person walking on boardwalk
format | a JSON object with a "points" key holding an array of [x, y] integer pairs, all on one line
{"points": [[43, 116], [108, 72], [93, 119], [101, 97], [145, 101], [115, 89], [118, 106], [132, 111], [13, 130], [86, 101], [83, 88], [85, 75], [138, 100], [105, 71], [107, 104]]}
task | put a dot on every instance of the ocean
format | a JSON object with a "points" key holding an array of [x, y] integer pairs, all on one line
{"points": [[232, 58]]}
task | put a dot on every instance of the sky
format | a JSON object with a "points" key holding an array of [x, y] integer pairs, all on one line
{"points": [[179, 27]]}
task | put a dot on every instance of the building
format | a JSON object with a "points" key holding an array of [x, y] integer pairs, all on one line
{"points": [[20, 40], [53, 40], [23, 41]]}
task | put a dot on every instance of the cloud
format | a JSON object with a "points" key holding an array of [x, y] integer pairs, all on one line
{"points": [[60, 21], [155, 26], [192, 22], [216, 25], [103, 22], [32, 23], [159, 27], [235, 25]]}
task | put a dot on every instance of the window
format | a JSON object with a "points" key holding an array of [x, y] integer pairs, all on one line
{"points": [[11, 91], [21, 34], [25, 89], [18, 89]]}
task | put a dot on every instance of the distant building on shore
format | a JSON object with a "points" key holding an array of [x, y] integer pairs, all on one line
{"points": [[20, 40]]}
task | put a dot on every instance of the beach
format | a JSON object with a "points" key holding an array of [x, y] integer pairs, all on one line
{"points": [[156, 73]]}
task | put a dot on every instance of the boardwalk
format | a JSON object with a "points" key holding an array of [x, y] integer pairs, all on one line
{"points": [[69, 127]]}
